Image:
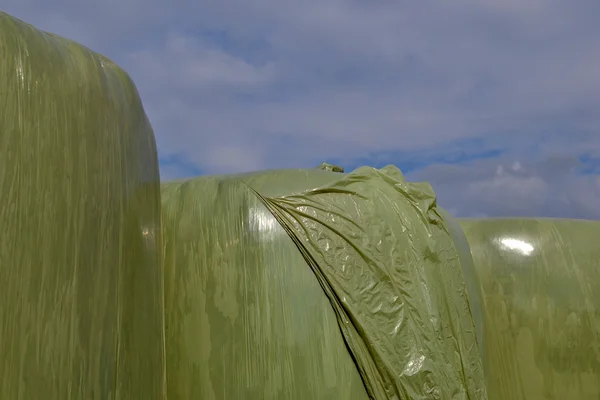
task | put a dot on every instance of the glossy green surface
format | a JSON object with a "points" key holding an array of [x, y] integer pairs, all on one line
{"points": [[356, 287], [470, 276], [245, 316], [80, 278], [541, 285]]}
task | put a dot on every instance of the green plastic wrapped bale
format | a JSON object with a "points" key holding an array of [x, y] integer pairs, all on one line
{"points": [[541, 283], [81, 314], [313, 284]]}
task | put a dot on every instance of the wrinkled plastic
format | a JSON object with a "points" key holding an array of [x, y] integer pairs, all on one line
{"points": [[309, 284], [81, 312], [245, 316], [330, 167], [541, 283]]}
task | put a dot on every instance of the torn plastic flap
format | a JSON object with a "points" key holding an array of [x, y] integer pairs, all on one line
{"points": [[389, 267]]}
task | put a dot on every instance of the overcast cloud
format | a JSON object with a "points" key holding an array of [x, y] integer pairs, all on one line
{"points": [[495, 102]]}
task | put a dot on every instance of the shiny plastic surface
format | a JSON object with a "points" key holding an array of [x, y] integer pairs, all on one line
{"points": [[81, 312], [245, 316], [309, 284], [541, 285]]}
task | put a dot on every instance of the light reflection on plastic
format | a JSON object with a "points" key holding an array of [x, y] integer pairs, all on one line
{"points": [[414, 365], [20, 73], [264, 222], [148, 235], [517, 245]]}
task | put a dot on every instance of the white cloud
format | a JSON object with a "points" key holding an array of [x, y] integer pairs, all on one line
{"points": [[183, 62], [547, 187], [238, 85]]}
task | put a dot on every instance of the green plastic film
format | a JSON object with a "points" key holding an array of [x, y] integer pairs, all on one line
{"points": [[309, 284], [390, 268], [81, 313], [245, 316], [541, 282]]}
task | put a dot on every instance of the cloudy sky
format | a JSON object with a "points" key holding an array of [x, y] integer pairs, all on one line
{"points": [[495, 102]]}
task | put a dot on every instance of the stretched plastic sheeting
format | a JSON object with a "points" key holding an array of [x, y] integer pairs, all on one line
{"points": [[470, 275], [309, 284], [81, 312], [245, 316], [541, 283]]}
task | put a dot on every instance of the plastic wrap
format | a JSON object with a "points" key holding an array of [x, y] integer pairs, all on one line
{"points": [[309, 284], [541, 282], [81, 313], [330, 167]]}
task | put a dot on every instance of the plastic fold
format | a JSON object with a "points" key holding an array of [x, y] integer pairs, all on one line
{"points": [[81, 313], [540, 280], [314, 284]]}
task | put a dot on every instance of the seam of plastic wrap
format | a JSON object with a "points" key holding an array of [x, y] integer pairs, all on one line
{"points": [[374, 389]]}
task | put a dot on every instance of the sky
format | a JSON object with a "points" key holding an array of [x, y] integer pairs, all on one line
{"points": [[495, 102]]}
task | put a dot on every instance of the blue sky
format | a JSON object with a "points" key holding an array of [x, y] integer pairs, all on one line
{"points": [[495, 102]]}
